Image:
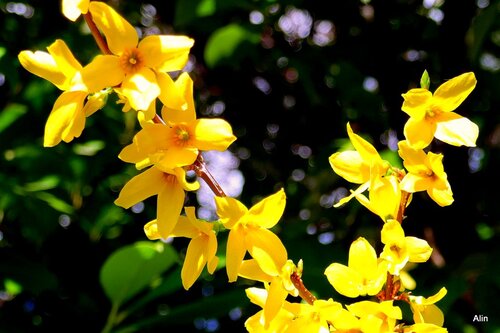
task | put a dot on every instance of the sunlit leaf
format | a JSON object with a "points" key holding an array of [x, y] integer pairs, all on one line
{"points": [[55, 202], [43, 184], [132, 268], [89, 148], [10, 114]]}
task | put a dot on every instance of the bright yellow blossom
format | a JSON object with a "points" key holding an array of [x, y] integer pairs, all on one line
{"points": [[249, 232], [133, 66], [72, 9], [278, 286], [201, 249], [170, 189], [178, 142], [67, 118], [356, 166], [364, 275], [424, 328], [424, 309], [425, 173], [431, 114], [399, 250], [376, 317]]}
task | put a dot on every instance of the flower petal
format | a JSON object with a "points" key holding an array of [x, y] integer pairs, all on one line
{"points": [[419, 249], [174, 157], [416, 103], [419, 133], [170, 203], [267, 212], [452, 93], [362, 257], [345, 280], [213, 134], [349, 165], [166, 53], [142, 186], [66, 120], [235, 252], [194, 262], [72, 9], [184, 228], [93, 74], [275, 299], [365, 149], [43, 65], [120, 35], [456, 130], [229, 210], [415, 183], [65, 60], [265, 247], [140, 89], [175, 96]]}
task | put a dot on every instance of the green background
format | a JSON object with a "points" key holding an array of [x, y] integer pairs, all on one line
{"points": [[289, 75]]}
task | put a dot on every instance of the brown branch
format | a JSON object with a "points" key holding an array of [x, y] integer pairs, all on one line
{"points": [[101, 43], [304, 293], [201, 170]]}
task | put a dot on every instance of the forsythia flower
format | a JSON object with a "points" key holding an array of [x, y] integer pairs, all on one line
{"points": [[399, 250], [135, 66], [425, 311], [201, 249], [249, 232], [178, 142], [424, 328], [364, 275], [278, 286], [356, 166], [67, 118], [376, 317], [425, 173], [72, 9], [431, 114], [170, 190]]}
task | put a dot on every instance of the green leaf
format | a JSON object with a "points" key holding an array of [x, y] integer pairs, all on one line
{"points": [[43, 184], [10, 114], [226, 45], [54, 202], [132, 268], [89, 148]]}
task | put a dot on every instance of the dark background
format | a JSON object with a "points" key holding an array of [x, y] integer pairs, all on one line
{"points": [[288, 97]]}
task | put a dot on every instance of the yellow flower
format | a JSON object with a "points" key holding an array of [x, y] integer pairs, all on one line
{"points": [[399, 250], [364, 275], [376, 317], [316, 317], [425, 173], [424, 328], [170, 190], [278, 286], [133, 65], [356, 166], [72, 9], [178, 142], [431, 114], [201, 249], [424, 309], [249, 232], [67, 118]]}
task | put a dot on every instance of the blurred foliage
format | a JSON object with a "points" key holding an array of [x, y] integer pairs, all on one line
{"points": [[288, 76]]}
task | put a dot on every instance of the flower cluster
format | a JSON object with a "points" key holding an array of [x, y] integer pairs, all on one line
{"points": [[149, 72]]}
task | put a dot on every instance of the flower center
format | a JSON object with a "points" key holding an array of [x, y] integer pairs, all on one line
{"points": [[169, 178], [432, 112], [131, 60], [181, 135]]}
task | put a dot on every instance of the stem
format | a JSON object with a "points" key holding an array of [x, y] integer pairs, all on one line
{"points": [[201, 170], [110, 322], [304, 293], [402, 206], [101, 43]]}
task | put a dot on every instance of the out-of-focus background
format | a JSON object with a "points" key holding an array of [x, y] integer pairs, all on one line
{"points": [[288, 75]]}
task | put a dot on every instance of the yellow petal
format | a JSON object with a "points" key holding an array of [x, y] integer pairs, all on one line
{"points": [[456, 130], [213, 134], [180, 174], [392, 232], [194, 262], [94, 103], [414, 183], [350, 166], [362, 257], [229, 210], [419, 249], [170, 202], [151, 230], [140, 89], [414, 160], [419, 133], [235, 252], [66, 120], [120, 34], [43, 65], [142, 186], [250, 269], [364, 148], [265, 247], [184, 228], [267, 212], [345, 280], [64, 59], [275, 299], [443, 197], [416, 103], [174, 157], [103, 72], [452, 93], [211, 250], [174, 98], [166, 53], [72, 9], [356, 193], [429, 314]]}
